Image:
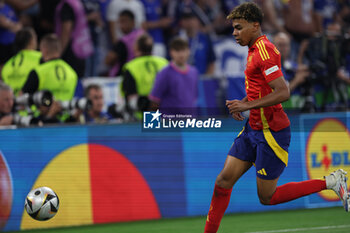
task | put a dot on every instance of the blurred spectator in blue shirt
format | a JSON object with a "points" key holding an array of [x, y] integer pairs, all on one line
{"points": [[202, 54], [154, 24], [344, 12], [204, 10], [9, 25], [95, 24], [326, 12], [103, 9]]}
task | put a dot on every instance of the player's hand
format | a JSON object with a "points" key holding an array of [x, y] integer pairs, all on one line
{"points": [[237, 106], [238, 116]]}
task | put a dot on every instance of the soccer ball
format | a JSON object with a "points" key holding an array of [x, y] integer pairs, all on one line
{"points": [[42, 203]]}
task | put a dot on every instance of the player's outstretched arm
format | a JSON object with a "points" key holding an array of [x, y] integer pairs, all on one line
{"points": [[280, 94]]}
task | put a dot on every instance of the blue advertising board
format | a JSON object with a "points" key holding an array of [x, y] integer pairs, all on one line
{"points": [[172, 173]]}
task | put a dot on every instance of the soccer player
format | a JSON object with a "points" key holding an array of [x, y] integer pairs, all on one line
{"points": [[264, 140]]}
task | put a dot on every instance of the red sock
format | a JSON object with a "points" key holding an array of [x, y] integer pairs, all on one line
{"points": [[219, 203], [294, 190]]}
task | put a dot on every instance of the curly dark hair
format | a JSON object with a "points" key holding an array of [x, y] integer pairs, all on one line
{"points": [[248, 11]]}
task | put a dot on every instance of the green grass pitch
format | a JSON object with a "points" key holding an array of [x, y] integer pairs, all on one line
{"points": [[325, 220]]}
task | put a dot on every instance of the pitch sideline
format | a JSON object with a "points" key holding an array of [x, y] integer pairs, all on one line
{"points": [[303, 229]]}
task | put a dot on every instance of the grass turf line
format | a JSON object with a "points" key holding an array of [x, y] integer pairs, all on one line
{"points": [[234, 223]]}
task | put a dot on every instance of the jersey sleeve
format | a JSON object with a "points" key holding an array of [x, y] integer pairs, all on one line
{"points": [[270, 63]]}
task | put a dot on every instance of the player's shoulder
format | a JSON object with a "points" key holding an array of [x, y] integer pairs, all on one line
{"points": [[266, 49], [273, 49], [270, 47]]}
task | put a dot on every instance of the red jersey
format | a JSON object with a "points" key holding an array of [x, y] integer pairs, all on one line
{"points": [[264, 66]]}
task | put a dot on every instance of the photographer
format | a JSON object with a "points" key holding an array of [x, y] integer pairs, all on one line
{"points": [[9, 104], [6, 105], [139, 75], [294, 74], [54, 75], [31, 109], [325, 57], [95, 113], [344, 72]]}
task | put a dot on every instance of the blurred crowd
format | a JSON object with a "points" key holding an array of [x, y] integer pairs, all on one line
{"points": [[159, 49]]}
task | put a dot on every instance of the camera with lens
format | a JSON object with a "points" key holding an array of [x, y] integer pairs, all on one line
{"points": [[24, 113], [25, 120], [318, 71], [324, 56], [39, 98], [318, 75], [117, 111], [77, 103], [126, 110]]}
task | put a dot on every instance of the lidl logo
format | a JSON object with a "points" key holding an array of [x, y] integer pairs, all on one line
{"points": [[328, 149]]}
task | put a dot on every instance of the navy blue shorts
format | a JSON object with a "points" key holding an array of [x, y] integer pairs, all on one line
{"points": [[267, 149]]}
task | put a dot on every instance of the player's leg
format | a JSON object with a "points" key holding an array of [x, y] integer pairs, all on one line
{"points": [[233, 169], [266, 189], [240, 157], [270, 194], [270, 163], [268, 169]]}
